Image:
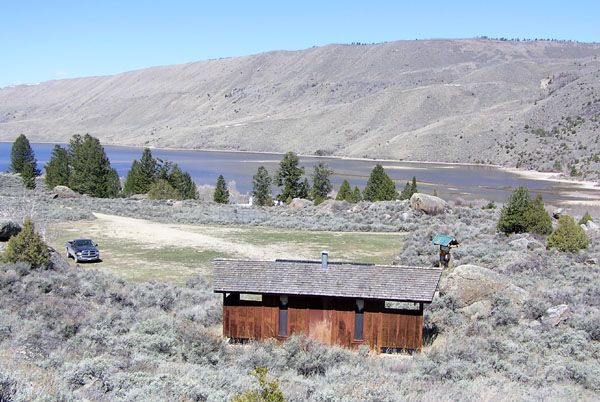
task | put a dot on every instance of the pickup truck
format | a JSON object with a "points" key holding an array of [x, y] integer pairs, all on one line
{"points": [[82, 250]]}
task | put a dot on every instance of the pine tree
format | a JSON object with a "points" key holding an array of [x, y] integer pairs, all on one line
{"points": [[304, 190], [321, 183], [357, 195], [142, 174], [221, 194], [409, 189], [585, 218], [261, 187], [183, 183], [288, 176], [91, 172], [379, 186], [28, 247], [568, 236], [28, 175], [537, 219], [57, 168], [345, 192], [512, 217], [22, 154]]}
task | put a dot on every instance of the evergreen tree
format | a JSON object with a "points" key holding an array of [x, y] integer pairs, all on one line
{"points": [[28, 247], [261, 187], [321, 183], [379, 186], [304, 191], [162, 190], [357, 195], [409, 189], [22, 154], [91, 172], [288, 176], [57, 168], [537, 219], [585, 218], [183, 183], [221, 194], [512, 217], [28, 175], [568, 236], [142, 174], [345, 192]]}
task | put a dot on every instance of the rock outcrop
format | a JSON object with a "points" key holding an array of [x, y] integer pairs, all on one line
{"points": [[428, 203], [64, 192], [469, 284], [9, 229]]}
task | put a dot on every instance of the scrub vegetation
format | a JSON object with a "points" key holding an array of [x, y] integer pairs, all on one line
{"points": [[69, 333]]}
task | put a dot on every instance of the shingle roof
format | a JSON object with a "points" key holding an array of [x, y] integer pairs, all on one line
{"points": [[364, 281]]}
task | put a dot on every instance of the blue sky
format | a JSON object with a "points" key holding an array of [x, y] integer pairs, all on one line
{"points": [[43, 40]]}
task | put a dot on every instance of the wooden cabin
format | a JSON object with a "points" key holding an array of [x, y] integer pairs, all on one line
{"points": [[347, 304]]}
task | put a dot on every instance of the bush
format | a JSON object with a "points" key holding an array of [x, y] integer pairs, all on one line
{"points": [[162, 190], [585, 219], [269, 390], [28, 247], [568, 236], [521, 214]]}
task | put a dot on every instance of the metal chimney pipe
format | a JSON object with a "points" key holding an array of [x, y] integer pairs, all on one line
{"points": [[324, 258]]}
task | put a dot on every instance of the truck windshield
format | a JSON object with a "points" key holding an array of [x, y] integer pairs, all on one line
{"points": [[83, 243]]}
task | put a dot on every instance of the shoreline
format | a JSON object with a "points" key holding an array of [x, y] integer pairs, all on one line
{"points": [[527, 174]]}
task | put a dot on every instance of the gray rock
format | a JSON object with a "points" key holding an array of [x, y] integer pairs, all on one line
{"points": [[591, 225], [585, 228], [333, 205], [555, 315], [557, 213], [57, 261], [64, 192], [300, 203], [9, 229], [428, 203], [469, 284]]}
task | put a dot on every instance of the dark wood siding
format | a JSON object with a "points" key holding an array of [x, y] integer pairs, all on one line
{"points": [[328, 320]]}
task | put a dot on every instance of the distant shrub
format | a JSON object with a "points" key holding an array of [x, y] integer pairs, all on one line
{"points": [[269, 390], [489, 205], [521, 214], [585, 218], [28, 247], [568, 236], [537, 219], [221, 194], [162, 190]]}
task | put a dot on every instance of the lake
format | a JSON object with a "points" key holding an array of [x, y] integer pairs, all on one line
{"points": [[449, 180]]}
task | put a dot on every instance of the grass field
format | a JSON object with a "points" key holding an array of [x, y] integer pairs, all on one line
{"points": [[139, 250]]}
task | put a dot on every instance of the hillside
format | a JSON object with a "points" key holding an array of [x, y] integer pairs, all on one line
{"points": [[528, 104]]}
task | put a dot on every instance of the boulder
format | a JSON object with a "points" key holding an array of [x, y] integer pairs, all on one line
{"points": [[300, 203], [469, 284], [592, 226], [334, 205], [557, 213], [555, 315], [9, 229], [428, 203], [64, 192]]}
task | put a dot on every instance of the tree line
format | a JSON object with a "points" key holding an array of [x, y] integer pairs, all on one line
{"points": [[84, 167]]}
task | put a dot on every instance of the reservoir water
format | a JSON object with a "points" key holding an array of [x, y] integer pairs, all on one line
{"points": [[448, 180]]}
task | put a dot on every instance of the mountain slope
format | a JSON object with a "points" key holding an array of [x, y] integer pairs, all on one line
{"points": [[442, 100]]}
